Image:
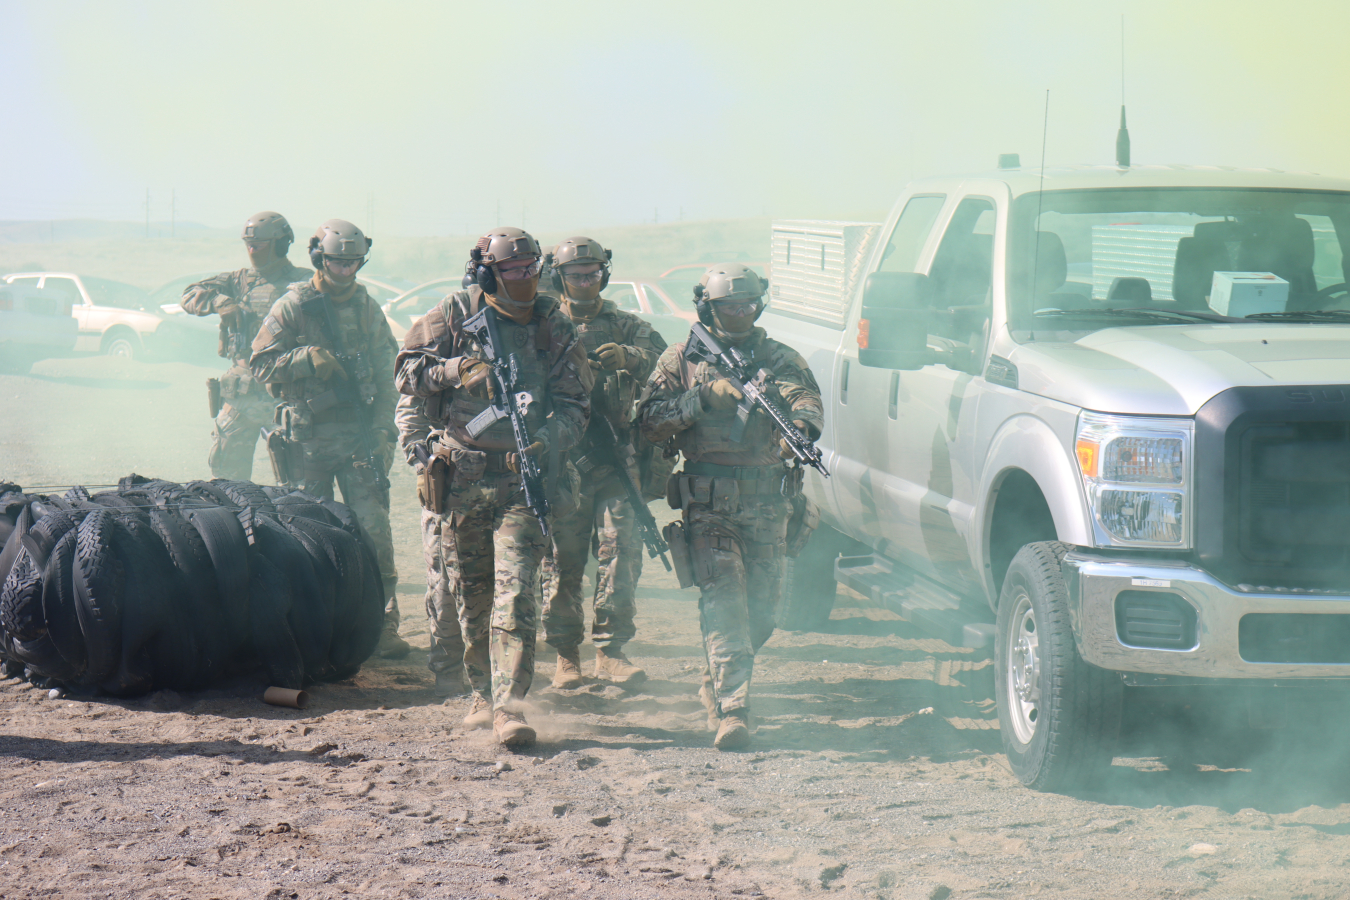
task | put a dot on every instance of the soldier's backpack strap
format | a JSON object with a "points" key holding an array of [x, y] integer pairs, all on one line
{"points": [[456, 308]]}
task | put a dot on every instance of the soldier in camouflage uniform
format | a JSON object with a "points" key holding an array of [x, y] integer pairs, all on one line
{"points": [[491, 540], [446, 658], [623, 349], [241, 299], [325, 349], [735, 496]]}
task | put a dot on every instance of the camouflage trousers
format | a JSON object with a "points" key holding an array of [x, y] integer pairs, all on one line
{"points": [[603, 519], [246, 409], [326, 462], [738, 559], [447, 641], [491, 547]]}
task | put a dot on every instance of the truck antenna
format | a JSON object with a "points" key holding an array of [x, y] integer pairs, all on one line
{"points": [[1040, 199], [1123, 135]]}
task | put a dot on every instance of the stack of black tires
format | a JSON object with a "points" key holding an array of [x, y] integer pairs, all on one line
{"points": [[160, 585]]}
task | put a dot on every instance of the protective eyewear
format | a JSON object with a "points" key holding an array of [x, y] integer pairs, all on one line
{"points": [[736, 307], [584, 279], [520, 273], [257, 245], [342, 265]]}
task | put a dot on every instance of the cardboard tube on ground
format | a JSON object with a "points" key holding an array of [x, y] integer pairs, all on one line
{"points": [[280, 696]]}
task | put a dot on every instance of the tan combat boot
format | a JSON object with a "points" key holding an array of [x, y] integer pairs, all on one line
{"points": [[512, 729], [615, 667], [391, 646], [734, 733], [480, 713], [568, 675]]}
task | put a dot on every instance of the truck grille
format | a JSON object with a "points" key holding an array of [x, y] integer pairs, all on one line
{"points": [[1295, 495], [1273, 487]]}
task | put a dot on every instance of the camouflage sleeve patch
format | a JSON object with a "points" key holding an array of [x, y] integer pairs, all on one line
{"points": [[272, 325]]}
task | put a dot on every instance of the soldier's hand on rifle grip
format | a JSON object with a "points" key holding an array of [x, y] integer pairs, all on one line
{"points": [[785, 448], [513, 459], [615, 357], [325, 364], [472, 374], [720, 395]]}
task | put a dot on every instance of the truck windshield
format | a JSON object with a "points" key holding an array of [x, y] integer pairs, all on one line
{"points": [[1083, 260]]}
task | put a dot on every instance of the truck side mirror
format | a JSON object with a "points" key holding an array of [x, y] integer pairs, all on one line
{"points": [[896, 318]]}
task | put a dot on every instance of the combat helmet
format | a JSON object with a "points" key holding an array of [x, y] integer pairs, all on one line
{"points": [[578, 250], [728, 281], [494, 248], [340, 239], [270, 226]]}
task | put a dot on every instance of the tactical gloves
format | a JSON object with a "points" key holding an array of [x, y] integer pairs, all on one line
{"points": [[325, 364], [513, 459], [719, 396], [473, 377], [616, 356]]}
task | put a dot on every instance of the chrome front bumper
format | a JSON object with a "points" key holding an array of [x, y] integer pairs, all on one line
{"points": [[1094, 582]]}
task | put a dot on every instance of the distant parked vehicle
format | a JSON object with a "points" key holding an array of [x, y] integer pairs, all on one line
{"points": [[651, 302], [119, 319], [412, 304], [32, 327]]}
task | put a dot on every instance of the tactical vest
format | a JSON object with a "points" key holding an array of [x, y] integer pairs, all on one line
{"points": [[256, 295], [530, 342], [315, 398], [711, 432]]}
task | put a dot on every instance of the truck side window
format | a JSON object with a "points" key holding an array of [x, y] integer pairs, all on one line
{"points": [[962, 272], [910, 233]]}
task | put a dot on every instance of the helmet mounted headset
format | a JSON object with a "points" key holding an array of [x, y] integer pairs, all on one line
{"points": [[725, 282], [494, 248]]}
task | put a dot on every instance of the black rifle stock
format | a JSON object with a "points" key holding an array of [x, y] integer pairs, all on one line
{"points": [[346, 391], [754, 385], [511, 402]]}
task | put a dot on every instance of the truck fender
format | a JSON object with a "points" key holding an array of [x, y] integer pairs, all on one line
{"points": [[1027, 444]]}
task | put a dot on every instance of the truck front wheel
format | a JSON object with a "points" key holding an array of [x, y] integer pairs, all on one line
{"points": [[1058, 715]]}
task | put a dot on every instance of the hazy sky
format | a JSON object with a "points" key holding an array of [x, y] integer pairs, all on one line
{"points": [[593, 114]]}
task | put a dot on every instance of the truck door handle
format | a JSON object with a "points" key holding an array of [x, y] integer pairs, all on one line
{"points": [[843, 385]]}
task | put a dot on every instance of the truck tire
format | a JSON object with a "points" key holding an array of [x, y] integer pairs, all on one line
{"points": [[809, 587], [1059, 716]]}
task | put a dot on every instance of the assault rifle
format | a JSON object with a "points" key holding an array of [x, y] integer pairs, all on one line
{"points": [[345, 390], [754, 386], [508, 401], [620, 453]]}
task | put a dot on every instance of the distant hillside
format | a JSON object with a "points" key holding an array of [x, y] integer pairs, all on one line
{"points": [[120, 251]]}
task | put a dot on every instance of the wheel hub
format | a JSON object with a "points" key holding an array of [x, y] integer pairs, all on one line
{"points": [[1024, 670]]}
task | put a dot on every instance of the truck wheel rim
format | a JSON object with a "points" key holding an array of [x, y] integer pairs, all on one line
{"points": [[1024, 670], [121, 347]]}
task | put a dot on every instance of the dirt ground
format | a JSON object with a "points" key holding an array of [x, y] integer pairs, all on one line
{"points": [[875, 770]]}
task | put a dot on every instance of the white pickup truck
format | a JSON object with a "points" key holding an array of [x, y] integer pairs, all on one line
{"points": [[1045, 434]]}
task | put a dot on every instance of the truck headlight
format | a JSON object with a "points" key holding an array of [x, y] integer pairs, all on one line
{"points": [[1137, 475]]}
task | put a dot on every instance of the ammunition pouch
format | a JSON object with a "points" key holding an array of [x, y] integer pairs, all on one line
{"points": [[676, 537], [213, 399], [655, 463], [803, 521]]}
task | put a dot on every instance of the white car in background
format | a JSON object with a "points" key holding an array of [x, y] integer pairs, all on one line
{"points": [[32, 327], [118, 319]]}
